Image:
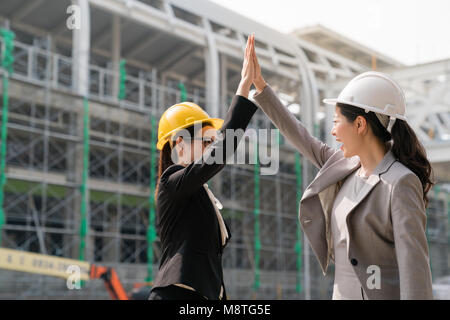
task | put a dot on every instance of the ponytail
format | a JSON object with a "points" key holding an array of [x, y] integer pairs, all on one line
{"points": [[411, 153], [165, 161]]}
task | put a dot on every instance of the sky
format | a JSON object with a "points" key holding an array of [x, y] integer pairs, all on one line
{"points": [[410, 31]]}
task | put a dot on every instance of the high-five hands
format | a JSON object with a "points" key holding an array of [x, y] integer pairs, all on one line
{"points": [[251, 71]]}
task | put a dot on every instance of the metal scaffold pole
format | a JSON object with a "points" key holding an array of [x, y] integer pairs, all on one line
{"points": [[151, 231], [84, 190], [256, 212], [7, 64], [298, 244], [448, 218]]}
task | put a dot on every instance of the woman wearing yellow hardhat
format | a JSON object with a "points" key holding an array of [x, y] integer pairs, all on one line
{"points": [[191, 228], [365, 210]]}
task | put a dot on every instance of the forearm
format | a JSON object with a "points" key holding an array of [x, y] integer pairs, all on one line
{"points": [[187, 180], [291, 128]]}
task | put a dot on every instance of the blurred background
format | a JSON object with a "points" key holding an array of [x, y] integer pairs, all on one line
{"points": [[84, 85]]}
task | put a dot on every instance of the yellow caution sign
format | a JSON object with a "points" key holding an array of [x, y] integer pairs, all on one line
{"points": [[43, 264]]}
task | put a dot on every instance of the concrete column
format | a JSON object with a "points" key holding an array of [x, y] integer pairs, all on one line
{"points": [[224, 85], [80, 49], [212, 72], [116, 52], [309, 102], [329, 114], [80, 74], [75, 165]]}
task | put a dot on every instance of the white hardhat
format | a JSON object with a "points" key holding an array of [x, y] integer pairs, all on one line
{"points": [[377, 92]]}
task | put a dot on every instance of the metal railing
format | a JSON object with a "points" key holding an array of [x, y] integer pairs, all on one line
{"points": [[43, 67]]}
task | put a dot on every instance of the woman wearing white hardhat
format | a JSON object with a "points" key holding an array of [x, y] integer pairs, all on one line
{"points": [[365, 210]]}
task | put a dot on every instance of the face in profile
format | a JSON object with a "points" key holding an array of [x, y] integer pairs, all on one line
{"points": [[203, 139], [346, 132], [189, 149]]}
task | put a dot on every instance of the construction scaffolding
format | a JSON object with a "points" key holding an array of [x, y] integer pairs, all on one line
{"points": [[80, 165]]}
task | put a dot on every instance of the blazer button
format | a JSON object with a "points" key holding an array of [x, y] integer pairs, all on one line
{"points": [[353, 261]]}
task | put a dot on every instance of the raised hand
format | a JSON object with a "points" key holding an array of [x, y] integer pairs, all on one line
{"points": [[258, 79], [248, 68]]}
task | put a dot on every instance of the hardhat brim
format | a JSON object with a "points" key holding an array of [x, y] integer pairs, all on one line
{"points": [[216, 123], [355, 104]]}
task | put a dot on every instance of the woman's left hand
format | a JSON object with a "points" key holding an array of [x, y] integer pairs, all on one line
{"points": [[248, 68]]}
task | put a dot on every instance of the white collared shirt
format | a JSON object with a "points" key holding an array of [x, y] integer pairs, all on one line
{"points": [[218, 206]]}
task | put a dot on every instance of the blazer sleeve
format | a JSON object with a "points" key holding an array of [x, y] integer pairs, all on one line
{"points": [[290, 127], [411, 247], [188, 180]]}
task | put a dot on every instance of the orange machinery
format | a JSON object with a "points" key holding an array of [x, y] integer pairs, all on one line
{"points": [[111, 279]]}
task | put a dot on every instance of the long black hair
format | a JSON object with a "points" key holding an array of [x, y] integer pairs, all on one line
{"points": [[406, 147]]}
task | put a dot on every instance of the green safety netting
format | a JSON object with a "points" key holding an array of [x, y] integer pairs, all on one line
{"points": [[85, 173], [183, 92], [151, 230], [256, 212], [122, 79], [7, 61]]}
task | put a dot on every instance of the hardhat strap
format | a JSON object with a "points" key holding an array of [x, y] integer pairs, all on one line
{"points": [[391, 123]]}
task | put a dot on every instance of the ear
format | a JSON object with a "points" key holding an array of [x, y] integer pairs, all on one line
{"points": [[179, 142], [179, 145], [361, 124]]}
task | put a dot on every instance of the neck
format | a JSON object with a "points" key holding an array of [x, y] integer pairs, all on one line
{"points": [[371, 156], [182, 163]]}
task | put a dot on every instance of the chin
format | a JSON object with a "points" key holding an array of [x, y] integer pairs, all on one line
{"points": [[348, 154]]}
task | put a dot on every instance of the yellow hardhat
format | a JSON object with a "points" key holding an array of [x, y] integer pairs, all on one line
{"points": [[179, 116]]}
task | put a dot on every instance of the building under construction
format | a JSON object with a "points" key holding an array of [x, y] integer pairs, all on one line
{"points": [[83, 107]]}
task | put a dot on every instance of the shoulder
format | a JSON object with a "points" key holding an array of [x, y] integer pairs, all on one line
{"points": [[402, 180], [170, 170], [398, 173], [165, 184]]}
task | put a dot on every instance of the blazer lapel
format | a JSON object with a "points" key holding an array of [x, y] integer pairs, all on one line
{"points": [[367, 187], [338, 170], [372, 181]]}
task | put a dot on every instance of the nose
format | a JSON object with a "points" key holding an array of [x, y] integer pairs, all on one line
{"points": [[333, 132]]}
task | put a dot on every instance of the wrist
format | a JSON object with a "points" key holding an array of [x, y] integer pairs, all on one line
{"points": [[245, 83], [244, 88], [260, 84]]}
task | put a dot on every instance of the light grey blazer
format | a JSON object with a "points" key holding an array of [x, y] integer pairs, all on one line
{"points": [[386, 225]]}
